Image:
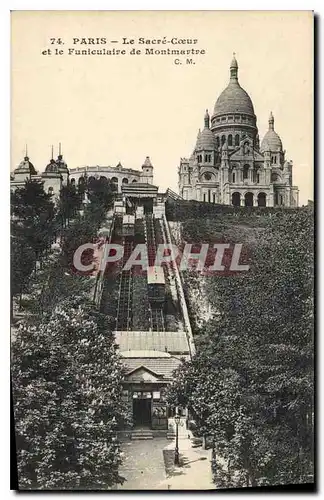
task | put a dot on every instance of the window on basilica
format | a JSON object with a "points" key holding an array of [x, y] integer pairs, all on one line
{"points": [[237, 140], [230, 140]]}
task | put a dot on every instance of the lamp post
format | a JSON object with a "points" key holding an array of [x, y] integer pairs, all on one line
{"points": [[176, 451]]}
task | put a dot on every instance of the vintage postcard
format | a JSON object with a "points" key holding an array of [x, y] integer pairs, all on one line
{"points": [[162, 266]]}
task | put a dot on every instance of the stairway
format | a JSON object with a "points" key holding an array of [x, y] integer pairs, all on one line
{"points": [[138, 434]]}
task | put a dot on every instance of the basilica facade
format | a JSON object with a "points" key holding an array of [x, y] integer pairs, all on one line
{"points": [[229, 165]]}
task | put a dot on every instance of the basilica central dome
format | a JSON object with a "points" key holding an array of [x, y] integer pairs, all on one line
{"points": [[234, 99]]}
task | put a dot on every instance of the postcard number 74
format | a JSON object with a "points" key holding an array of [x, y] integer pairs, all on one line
{"points": [[58, 41]]}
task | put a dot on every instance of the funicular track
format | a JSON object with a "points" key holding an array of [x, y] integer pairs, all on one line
{"points": [[156, 314], [125, 299], [157, 320]]}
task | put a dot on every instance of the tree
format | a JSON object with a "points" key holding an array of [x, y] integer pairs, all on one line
{"points": [[68, 407], [69, 203], [22, 265], [34, 215], [101, 194], [250, 386]]}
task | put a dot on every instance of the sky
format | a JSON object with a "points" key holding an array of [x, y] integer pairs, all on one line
{"points": [[106, 109]]}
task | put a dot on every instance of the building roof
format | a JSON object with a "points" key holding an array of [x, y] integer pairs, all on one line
{"points": [[160, 366], [147, 162], [271, 141], [206, 140], [172, 342], [52, 167], [145, 354], [234, 99], [25, 166], [62, 166]]}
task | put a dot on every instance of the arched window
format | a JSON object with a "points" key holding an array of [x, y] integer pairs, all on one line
{"points": [[236, 199], [246, 172], [217, 141], [103, 178], [262, 200], [81, 180], [72, 182], [233, 177], [230, 140], [206, 158], [125, 180], [50, 190], [248, 200], [134, 180], [114, 180], [223, 139], [237, 140]]}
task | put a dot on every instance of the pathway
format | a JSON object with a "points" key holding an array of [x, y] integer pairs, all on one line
{"points": [[143, 464], [149, 465]]}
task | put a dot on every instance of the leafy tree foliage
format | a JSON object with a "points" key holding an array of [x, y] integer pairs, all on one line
{"points": [[101, 194], [34, 213], [22, 265], [69, 203], [250, 386], [67, 401]]}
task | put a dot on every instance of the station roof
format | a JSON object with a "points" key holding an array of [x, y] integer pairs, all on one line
{"points": [[172, 342], [139, 190], [160, 366]]}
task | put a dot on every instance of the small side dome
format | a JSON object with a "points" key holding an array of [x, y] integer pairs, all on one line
{"points": [[62, 166], [25, 167], [52, 167], [147, 162], [271, 141], [206, 140]]}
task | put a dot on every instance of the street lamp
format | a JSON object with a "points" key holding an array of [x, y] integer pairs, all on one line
{"points": [[176, 451]]}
